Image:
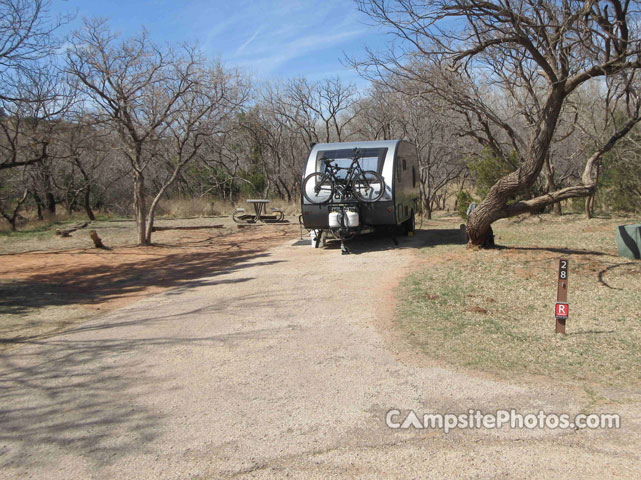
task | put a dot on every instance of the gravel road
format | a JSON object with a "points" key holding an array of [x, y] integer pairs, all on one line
{"points": [[283, 366]]}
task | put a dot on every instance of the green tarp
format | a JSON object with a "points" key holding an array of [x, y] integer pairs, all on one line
{"points": [[629, 241]]}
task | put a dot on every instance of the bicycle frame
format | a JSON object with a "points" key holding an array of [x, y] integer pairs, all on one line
{"points": [[343, 185]]}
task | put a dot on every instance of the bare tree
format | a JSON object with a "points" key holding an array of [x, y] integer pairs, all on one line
{"points": [[26, 42], [32, 91], [320, 109], [200, 113], [13, 195], [375, 115], [288, 118], [397, 108], [159, 102], [474, 53], [431, 127]]}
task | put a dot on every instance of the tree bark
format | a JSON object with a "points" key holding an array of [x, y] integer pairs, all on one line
{"points": [[495, 205], [97, 242], [550, 184], [589, 207], [140, 207], [87, 204], [51, 202], [39, 205]]}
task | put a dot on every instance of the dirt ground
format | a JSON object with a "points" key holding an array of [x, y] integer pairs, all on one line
{"points": [[281, 363], [53, 284], [279, 366]]}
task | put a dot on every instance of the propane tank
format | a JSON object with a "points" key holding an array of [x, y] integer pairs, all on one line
{"points": [[334, 220], [351, 218]]}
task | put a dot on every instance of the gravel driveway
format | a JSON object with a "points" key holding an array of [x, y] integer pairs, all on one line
{"points": [[282, 366]]}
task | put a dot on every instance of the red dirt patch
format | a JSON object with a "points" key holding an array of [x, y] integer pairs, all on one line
{"points": [[108, 279]]}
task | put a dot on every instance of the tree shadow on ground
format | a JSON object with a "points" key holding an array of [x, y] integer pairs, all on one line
{"points": [[96, 284], [83, 392], [68, 396], [385, 240], [603, 272], [562, 251], [52, 401]]}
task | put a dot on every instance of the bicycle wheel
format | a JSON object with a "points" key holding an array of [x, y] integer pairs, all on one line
{"points": [[368, 186], [318, 188]]}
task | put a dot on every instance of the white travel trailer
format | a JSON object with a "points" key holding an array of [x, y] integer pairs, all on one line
{"points": [[352, 187]]}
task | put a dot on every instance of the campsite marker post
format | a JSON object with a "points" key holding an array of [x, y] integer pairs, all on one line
{"points": [[562, 310]]}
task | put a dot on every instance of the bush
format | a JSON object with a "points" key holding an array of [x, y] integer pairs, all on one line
{"points": [[463, 201], [488, 169], [619, 185]]}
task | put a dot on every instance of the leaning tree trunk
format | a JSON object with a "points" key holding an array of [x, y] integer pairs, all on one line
{"points": [[154, 203], [589, 201], [479, 224], [589, 207], [496, 204], [87, 204], [13, 218]]}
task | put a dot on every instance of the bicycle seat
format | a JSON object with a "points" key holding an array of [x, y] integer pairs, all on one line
{"points": [[327, 161]]}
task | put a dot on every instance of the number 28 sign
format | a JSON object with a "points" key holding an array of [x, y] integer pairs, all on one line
{"points": [[563, 270], [562, 309]]}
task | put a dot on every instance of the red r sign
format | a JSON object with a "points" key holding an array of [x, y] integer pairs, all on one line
{"points": [[562, 310]]}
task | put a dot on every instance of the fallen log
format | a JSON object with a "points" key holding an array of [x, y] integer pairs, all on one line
{"points": [[246, 225], [162, 229], [66, 232]]}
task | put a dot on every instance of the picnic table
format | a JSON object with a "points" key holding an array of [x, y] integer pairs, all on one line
{"points": [[260, 215]]}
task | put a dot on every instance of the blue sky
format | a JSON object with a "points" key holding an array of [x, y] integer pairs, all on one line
{"points": [[268, 39]]}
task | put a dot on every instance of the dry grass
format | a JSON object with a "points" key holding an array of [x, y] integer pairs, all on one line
{"points": [[36, 234], [114, 233], [493, 310], [189, 207], [203, 207]]}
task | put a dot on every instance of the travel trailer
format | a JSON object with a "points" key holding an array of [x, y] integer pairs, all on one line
{"points": [[353, 187]]}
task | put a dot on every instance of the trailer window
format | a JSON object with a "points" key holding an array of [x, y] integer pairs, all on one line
{"points": [[371, 159]]}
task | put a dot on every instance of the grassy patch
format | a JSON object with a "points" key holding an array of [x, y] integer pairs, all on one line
{"points": [[36, 228], [493, 310]]}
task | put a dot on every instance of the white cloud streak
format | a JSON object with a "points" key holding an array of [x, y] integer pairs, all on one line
{"points": [[250, 40], [287, 31]]}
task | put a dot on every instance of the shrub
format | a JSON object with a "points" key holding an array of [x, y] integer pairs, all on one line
{"points": [[463, 201]]}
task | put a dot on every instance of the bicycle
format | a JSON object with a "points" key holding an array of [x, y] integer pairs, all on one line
{"points": [[364, 185]]}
